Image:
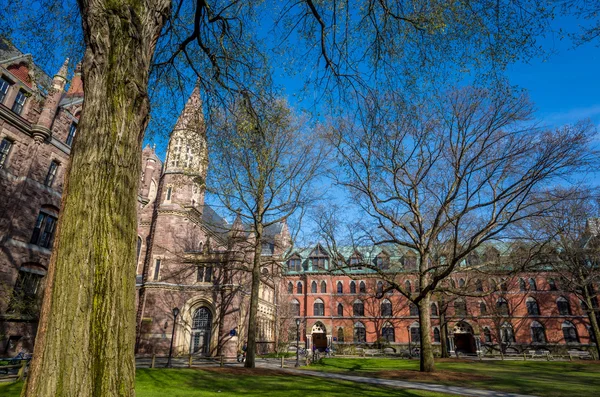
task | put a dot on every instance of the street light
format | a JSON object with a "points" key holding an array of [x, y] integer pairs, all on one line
{"points": [[409, 346], [297, 342], [175, 314]]}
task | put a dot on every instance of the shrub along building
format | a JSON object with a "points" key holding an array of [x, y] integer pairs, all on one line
{"points": [[348, 306], [188, 256]]}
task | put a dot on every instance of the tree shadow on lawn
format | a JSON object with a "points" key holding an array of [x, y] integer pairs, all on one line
{"points": [[529, 377], [229, 381]]}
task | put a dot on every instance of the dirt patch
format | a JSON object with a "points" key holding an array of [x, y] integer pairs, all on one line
{"points": [[438, 376], [244, 371]]}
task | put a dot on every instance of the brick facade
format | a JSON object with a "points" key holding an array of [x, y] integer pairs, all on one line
{"points": [[474, 323]]}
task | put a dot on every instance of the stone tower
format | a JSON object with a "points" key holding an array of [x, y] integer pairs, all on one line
{"points": [[187, 157]]}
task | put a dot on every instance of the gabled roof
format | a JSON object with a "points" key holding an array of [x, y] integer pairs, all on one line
{"points": [[10, 55]]}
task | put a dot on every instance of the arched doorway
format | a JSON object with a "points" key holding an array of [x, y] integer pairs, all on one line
{"points": [[201, 326], [464, 341], [319, 336]]}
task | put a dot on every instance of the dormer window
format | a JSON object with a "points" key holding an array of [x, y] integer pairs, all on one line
{"points": [[19, 102], [294, 265], [319, 259], [410, 262], [382, 262], [4, 86], [355, 263]]}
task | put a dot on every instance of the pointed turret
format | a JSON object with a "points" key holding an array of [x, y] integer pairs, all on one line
{"points": [[60, 78], [187, 156], [76, 87], [41, 130], [187, 145]]}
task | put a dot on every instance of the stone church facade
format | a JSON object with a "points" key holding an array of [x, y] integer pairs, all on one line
{"points": [[189, 257]]}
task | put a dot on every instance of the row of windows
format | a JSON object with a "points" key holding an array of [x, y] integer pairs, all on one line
{"points": [[204, 274], [562, 304], [20, 99], [506, 334], [460, 308], [362, 287], [295, 264], [408, 288], [358, 308]]}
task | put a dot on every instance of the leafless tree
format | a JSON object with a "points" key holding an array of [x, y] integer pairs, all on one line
{"points": [[573, 229], [443, 176], [264, 165]]}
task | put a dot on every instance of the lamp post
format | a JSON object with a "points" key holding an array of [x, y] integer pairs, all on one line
{"points": [[297, 342], [175, 314], [409, 346]]}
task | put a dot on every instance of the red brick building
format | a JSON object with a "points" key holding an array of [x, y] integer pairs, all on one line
{"points": [[515, 313]]}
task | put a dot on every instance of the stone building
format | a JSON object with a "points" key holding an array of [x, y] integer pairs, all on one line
{"points": [[192, 259], [38, 123], [506, 311], [188, 256]]}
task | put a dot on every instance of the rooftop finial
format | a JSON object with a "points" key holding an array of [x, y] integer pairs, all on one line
{"points": [[62, 72]]}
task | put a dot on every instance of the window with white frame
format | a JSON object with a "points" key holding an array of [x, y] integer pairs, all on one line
{"points": [[19, 103]]}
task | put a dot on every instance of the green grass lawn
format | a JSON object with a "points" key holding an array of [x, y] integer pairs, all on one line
{"points": [[238, 382], [542, 378]]}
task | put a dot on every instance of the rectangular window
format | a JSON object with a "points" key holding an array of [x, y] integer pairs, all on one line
{"points": [[72, 131], [204, 274], [51, 173], [25, 292], [43, 232], [4, 86], [19, 102], [169, 193], [5, 147], [156, 269]]}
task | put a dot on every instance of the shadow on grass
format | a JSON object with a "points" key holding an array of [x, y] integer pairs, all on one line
{"points": [[529, 377], [192, 383]]}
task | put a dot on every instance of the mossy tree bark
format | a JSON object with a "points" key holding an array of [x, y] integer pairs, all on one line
{"points": [[87, 328]]}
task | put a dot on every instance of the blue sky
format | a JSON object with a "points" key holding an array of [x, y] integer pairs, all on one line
{"points": [[565, 87]]}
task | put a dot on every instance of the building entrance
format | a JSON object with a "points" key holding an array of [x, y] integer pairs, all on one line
{"points": [[201, 327], [464, 342], [319, 336]]}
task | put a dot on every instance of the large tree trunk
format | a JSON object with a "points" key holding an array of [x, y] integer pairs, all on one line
{"points": [[427, 363], [252, 316], [591, 312], [443, 335], [87, 328]]}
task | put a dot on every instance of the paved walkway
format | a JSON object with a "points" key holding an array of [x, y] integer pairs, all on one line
{"points": [[462, 391]]}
